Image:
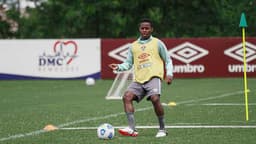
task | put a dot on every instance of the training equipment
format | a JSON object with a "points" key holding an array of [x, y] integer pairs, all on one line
{"points": [[243, 25], [169, 104], [50, 127], [172, 104], [106, 131], [128, 132], [90, 81], [120, 84]]}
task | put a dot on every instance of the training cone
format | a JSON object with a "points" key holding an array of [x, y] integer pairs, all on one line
{"points": [[172, 104], [50, 128]]}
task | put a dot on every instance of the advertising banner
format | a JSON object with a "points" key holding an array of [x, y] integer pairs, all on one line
{"points": [[192, 57], [49, 59]]}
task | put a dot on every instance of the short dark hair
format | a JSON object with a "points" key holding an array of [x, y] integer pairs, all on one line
{"points": [[146, 20]]}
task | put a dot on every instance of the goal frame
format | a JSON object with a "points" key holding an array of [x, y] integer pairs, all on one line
{"points": [[119, 85]]}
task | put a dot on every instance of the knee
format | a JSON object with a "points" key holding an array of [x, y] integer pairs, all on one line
{"points": [[155, 98], [128, 96]]}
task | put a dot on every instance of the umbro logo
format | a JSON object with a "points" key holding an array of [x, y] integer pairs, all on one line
{"points": [[120, 53], [237, 52], [187, 52]]}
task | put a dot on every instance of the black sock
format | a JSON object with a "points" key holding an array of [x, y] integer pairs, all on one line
{"points": [[161, 122]]}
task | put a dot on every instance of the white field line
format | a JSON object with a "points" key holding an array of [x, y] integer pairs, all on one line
{"points": [[37, 132], [173, 127], [22, 135], [222, 104], [60, 126], [211, 98]]}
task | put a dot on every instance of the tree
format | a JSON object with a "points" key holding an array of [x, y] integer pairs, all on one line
{"points": [[119, 18]]}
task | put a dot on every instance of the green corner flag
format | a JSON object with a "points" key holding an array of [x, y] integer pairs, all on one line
{"points": [[243, 21], [243, 25]]}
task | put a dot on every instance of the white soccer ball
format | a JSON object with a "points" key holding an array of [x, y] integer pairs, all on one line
{"points": [[106, 131], [90, 81]]}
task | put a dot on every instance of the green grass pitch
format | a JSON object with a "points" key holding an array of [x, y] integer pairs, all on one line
{"points": [[27, 106]]}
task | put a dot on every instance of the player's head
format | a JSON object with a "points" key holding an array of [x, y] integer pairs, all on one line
{"points": [[145, 28]]}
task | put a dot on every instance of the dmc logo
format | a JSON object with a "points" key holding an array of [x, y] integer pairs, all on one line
{"points": [[237, 52], [63, 53], [120, 53], [187, 52]]}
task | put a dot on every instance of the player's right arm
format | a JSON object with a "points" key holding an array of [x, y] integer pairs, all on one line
{"points": [[126, 65], [113, 66]]}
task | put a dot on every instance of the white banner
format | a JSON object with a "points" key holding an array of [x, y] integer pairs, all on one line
{"points": [[49, 58]]}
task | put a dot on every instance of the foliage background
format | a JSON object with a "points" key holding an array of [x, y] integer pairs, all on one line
{"points": [[119, 18]]}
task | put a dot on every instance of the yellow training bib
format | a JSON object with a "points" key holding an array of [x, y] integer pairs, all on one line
{"points": [[147, 61]]}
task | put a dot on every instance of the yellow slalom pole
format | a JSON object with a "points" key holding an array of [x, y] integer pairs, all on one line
{"points": [[245, 77]]}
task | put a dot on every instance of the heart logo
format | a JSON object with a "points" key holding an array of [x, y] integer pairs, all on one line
{"points": [[67, 50]]}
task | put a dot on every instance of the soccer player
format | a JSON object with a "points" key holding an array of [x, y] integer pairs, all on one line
{"points": [[148, 56]]}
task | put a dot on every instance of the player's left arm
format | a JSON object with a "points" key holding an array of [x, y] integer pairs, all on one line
{"points": [[168, 61]]}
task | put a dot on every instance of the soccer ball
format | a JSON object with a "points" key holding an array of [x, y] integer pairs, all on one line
{"points": [[90, 81], [106, 131]]}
